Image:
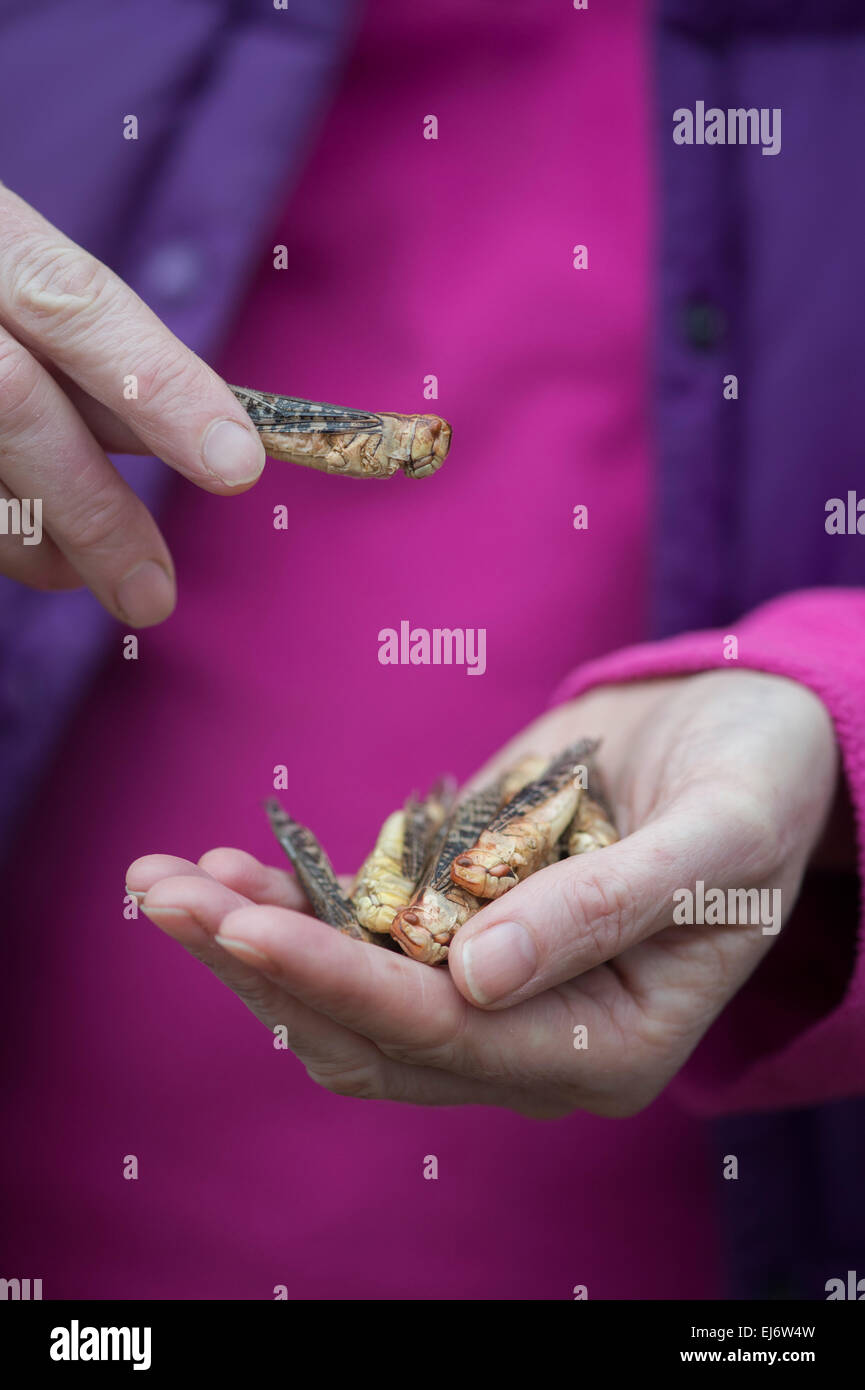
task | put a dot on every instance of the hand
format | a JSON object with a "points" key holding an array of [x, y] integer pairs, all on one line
{"points": [[726, 777], [71, 333]]}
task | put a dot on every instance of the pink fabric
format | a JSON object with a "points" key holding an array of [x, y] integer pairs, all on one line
{"points": [[777, 1044], [250, 1176]]}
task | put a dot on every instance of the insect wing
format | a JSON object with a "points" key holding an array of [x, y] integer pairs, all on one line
{"points": [[469, 819], [415, 839], [422, 822], [291, 415], [314, 870], [555, 777]]}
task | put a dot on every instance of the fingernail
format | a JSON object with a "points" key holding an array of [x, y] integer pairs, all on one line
{"points": [[232, 452], [242, 948], [156, 912], [497, 961], [145, 595]]}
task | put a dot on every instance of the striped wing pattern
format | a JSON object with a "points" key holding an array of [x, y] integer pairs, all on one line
{"points": [[468, 820], [422, 821], [536, 793], [291, 415], [315, 872]]}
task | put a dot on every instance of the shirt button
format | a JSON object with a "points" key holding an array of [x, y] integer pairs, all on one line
{"points": [[704, 324], [173, 271]]}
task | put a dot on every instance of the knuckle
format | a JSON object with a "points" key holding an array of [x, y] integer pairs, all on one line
{"points": [[19, 377], [360, 1082], [417, 1055], [601, 910], [398, 1052], [170, 377], [97, 523], [57, 284], [445, 1044], [256, 994]]}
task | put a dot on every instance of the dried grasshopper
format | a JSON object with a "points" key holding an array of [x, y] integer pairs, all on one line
{"points": [[528, 769], [389, 875], [522, 838], [356, 443], [593, 826], [439, 908], [315, 872]]}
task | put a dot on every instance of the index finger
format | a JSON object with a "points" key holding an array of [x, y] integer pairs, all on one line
{"points": [[61, 301], [376, 992]]}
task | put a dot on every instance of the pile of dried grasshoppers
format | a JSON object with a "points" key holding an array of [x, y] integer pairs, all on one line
{"points": [[438, 861]]}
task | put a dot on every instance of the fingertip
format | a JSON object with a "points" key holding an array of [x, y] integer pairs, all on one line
{"points": [[233, 454], [138, 877], [161, 914], [493, 964], [250, 920], [177, 922], [246, 932], [175, 891], [265, 885], [277, 932], [147, 595], [227, 863], [149, 868], [244, 951]]}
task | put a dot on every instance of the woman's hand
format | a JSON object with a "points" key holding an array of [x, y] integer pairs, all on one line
{"points": [[85, 366], [726, 777]]}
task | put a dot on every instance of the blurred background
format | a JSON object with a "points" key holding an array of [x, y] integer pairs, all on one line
{"points": [[305, 128]]}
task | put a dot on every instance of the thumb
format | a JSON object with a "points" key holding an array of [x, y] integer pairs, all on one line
{"points": [[574, 915]]}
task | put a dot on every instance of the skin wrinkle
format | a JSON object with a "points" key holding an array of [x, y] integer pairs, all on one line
{"points": [[47, 278], [75, 330], [100, 533], [16, 363], [39, 300]]}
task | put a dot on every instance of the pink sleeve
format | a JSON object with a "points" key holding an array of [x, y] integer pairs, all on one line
{"points": [[795, 1034]]}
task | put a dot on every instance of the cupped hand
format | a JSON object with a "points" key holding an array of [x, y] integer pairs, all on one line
{"points": [[86, 367], [577, 989]]}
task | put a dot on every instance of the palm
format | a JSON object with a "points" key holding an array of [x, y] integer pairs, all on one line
{"points": [[723, 777]]}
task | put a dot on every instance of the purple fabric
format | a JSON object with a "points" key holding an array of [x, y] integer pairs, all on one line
{"points": [[170, 226], [768, 251], [763, 254]]}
